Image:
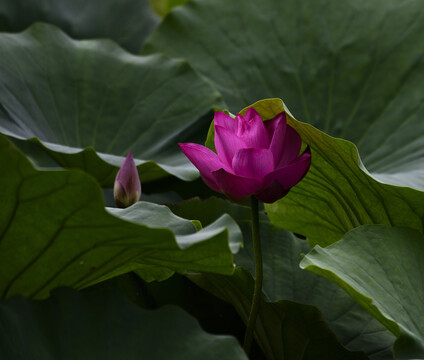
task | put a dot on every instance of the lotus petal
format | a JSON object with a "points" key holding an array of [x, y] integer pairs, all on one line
{"points": [[272, 193], [227, 144], [253, 163], [253, 132], [225, 121], [278, 127], [205, 160], [235, 187], [291, 174]]}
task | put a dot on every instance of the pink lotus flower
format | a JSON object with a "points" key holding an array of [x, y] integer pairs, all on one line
{"points": [[127, 188], [253, 157]]}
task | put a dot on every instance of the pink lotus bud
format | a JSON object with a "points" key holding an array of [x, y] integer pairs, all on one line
{"points": [[127, 188], [252, 157]]}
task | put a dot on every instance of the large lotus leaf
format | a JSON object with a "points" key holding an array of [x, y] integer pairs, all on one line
{"points": [[351, 68], [337, 194], [104, 325], [55, 231], [156, 216], [284, 280], [128, 22], [71, 95], [382, 269]]}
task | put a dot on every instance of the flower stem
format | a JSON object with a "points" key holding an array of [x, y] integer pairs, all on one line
{"points": [[257, 292]]}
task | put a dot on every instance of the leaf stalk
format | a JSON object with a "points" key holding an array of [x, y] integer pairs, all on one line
{"points": [[257, 292]]}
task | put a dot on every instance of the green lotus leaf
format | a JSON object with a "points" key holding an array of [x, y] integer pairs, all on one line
{"points": [[104, 325], [88, 103], [55, 231], [284, 329], [350, 68], [128, 22], [287, 288], [382, 269], [337, 194]]}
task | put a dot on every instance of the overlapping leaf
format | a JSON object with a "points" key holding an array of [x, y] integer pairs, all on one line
{"points": [[128, 22], [54, 231], [72, 95], [351, 68], [382, 269], [104, 325], [284, 329], [286, 288]]}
